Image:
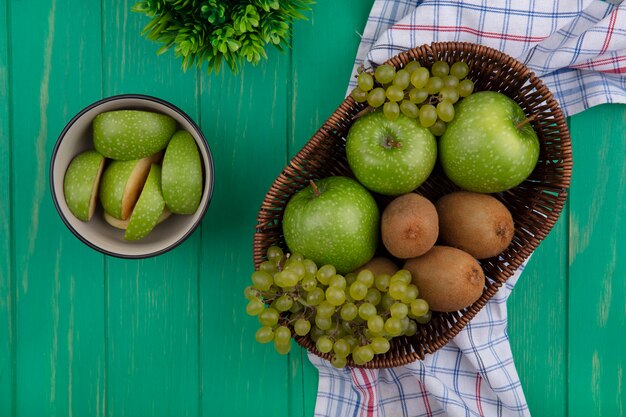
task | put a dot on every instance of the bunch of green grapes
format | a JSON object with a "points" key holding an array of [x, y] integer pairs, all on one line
{"points": [[356, 314], [416, 91]]}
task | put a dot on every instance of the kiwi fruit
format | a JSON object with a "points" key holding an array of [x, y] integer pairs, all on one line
{"points": [[409, 226], [379, 266], [477, 223], [447, 278]]}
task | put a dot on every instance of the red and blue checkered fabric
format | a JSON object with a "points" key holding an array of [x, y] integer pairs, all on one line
{"points": [[578, 48]]}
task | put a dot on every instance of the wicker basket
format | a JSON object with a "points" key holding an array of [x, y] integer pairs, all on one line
{"points": [[535, 204]]}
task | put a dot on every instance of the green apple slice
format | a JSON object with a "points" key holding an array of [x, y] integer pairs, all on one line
{"points": [[149, 207], [121, 184], [80, 184], [123, 224], [182, 174], [131, 134]]}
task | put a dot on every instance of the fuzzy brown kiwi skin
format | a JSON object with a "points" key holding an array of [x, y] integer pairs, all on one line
{"points": [[409, 226], [447, 278], [477, 223], [379, 266]]}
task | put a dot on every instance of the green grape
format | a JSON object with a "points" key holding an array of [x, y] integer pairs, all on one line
{"points": [[386, 301], [265, 334], [316, 333], [296, 256], [409, 109], [350, 278], [315, 296], [373, 296], [347, 327], [325, 273], [367, 310], [262, 280], [325, 309], [419, 307], [282, 348], [439, 128], [420, 77], [384, 73], [335, 296], [286, 279], [399, 310], [302, 327], [466, 87], [445, 111], [412, 66], [376, 97], [310, 266], [296, 308], [380, 345], [397, 289], [450, 94], [418, 95], [284, 302], [342, 348], [411, 294], [393, 326], [459, 70], [338, 281], [323, 323], [366, 277], [424, 319], [382, 282], [364, 353], [348, 311], [358, 95], [339, 362], [308, 282], [405, 323], [375, 324], [402, 79], [402, 275], [394, 93], [450, 81], [440, 69], [352, 341], [255, 307], [433, 85], [358, 290], [391, 110], [365, 81], [296, 267], [282, 335], [268, 317], [274, 253], [268, 266], [411, 329], [324, 344], [250, 292], [428, 115]]}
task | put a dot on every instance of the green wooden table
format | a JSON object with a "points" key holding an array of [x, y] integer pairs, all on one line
{"points": [[82, 334]]}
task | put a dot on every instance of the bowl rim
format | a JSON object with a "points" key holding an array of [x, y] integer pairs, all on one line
{"points": [[208, 170]]}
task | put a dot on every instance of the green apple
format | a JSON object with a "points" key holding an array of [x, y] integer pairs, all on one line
{"points": [[131, 134], [489, 146], [149, 207], [121, 184], [123, 224], [390, 157], [333, 221], [181, 177], [80, 184]]}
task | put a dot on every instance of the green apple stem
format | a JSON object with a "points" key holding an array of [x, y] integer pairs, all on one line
{"points": [[527, 120], [390, 142], [316, 191]]}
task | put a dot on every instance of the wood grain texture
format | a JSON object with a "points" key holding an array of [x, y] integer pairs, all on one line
{"points": [[59, 290]]}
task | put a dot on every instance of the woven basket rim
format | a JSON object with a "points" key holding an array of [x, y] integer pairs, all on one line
{"points": [[343, 113]]}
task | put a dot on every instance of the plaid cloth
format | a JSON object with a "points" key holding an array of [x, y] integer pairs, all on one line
{"points": [[578, 48]]}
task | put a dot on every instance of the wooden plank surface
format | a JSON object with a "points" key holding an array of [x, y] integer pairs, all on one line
{"points": [[85, 334]]}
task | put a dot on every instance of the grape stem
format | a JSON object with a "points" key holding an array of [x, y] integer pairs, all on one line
{"points": [[527, 120], [316, 191]]}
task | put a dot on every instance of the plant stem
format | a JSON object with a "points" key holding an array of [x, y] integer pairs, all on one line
{"points": [[528, 120], [390, 142], [316, 191]]}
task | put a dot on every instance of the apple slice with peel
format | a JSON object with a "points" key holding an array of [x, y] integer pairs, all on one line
{"points": [[121, 184], [123, 224], [131, 134], [149, 207], [182, 174], [80, 185]]}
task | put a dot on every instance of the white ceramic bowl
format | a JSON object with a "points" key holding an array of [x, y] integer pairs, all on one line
{"points": [[77, 136]]}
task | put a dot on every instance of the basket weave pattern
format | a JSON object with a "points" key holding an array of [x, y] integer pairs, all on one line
{"points": [[535, 204]]}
